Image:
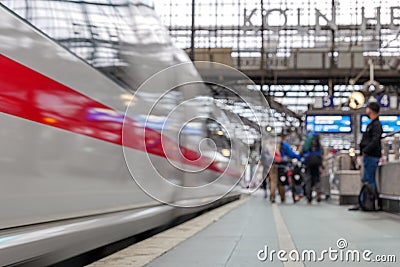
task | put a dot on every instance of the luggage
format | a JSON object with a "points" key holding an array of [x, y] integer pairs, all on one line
{"points": [[368, 198], [283, 179], [297, 176]]}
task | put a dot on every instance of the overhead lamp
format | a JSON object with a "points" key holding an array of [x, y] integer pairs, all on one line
{"points": [[372, 87]]}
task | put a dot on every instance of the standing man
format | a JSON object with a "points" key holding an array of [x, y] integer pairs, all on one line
{"points": [[370, 146]]}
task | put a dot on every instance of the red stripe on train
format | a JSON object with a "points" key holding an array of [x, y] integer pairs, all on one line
{"points": [[28, 94]]}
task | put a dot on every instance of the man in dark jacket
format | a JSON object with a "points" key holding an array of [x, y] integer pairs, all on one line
{"points": [[370, 146]]}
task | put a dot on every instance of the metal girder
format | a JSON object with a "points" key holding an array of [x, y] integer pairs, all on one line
{"points": [[319, 76], [281, 108], [282, 28]]}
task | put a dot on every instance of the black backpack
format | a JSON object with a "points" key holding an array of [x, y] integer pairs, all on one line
{"points": [[282, 175], [297, 176], [368, 198], [314, 158]]}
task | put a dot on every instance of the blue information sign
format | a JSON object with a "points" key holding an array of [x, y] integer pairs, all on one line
{"points": [[329, 123], [390, 123]]}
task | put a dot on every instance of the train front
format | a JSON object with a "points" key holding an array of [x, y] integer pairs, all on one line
{"points": [[102, 114]]}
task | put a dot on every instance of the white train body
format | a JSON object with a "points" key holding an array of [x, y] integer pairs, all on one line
{"points": [[65, 186]]}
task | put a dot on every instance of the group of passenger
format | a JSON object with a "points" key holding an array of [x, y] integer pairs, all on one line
{"points": [[303, 168], [305, 173]]}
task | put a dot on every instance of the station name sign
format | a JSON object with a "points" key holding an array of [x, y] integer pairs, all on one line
{"points": [[252, 19]]}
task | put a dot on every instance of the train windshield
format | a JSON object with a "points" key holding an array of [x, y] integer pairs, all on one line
{"points": [[107, 34]]}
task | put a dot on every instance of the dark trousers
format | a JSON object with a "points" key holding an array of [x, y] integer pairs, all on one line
{"points": [[370, 166], [313, 180]]}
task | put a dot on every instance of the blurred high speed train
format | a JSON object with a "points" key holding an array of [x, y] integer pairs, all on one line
{"points": [[75, 172]]}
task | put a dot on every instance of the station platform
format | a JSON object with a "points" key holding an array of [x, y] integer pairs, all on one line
{"points": [[247, 231]]}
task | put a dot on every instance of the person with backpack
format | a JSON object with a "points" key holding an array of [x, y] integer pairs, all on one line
{"points": [[312, 153], [371, 150], [278, 177]]}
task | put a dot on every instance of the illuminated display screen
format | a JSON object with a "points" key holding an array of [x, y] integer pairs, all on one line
{"points": [[329, 123], [390, 123]]}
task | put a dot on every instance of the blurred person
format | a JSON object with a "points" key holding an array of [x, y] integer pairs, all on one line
{"points": [[282, 156], [313, 158], [273, 174], [371, 148], [266, 162], [286, 150]]}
